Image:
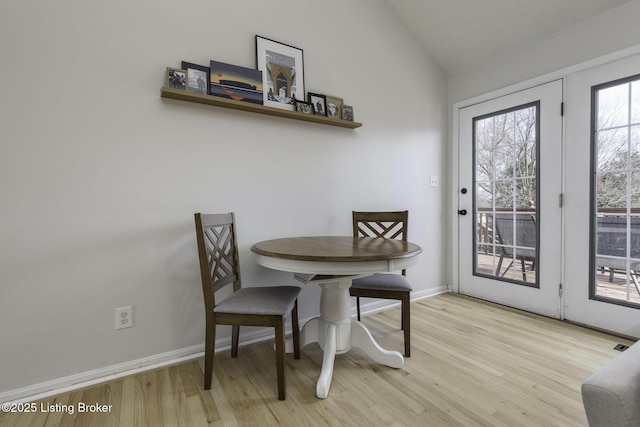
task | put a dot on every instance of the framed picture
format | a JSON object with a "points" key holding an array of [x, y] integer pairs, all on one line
{"points": [[319, 103], [334, 107], [304, 107], [234, 82], [197, 78], [347, 113], [175, 78], [282, 69]]}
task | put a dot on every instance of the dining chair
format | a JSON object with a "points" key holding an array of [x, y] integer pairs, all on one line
{"points": [[251, 306], [390, 225], [523, 236]]}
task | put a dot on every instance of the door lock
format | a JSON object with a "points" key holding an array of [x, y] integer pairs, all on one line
{"points": [[462, 212]]}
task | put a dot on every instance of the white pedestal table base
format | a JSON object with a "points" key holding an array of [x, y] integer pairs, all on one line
{"points": [[336, 333]]}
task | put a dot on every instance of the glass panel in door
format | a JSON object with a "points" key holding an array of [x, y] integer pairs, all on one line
{"points": [[616, 192], [505, 194]]}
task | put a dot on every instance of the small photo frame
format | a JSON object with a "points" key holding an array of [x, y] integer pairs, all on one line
{"points": [[282, 69], [334, 107], [175, 78], [304, 107], [347, 113], [319, 103], [197, 78]]}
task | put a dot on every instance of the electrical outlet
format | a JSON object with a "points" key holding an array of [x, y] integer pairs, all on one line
{"points": [[434, 181], [124, 317]]}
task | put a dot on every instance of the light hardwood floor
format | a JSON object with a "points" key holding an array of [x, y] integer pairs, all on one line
{"points": [[472, 364]]}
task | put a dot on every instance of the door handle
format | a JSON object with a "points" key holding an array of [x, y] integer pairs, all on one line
{"points": [[462, 212]]}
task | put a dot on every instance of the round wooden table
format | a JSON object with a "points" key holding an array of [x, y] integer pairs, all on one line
{"points": [[332, 262]]}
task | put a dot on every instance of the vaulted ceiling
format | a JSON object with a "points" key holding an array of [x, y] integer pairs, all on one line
{"points": [[459, 32]]}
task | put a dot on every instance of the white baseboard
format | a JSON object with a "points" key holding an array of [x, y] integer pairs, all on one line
{"points": [[96, 376], [113, 372], [377, 305]]}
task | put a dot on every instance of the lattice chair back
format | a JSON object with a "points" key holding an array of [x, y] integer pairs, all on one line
{"points": [[390, 225], [217, 248]]}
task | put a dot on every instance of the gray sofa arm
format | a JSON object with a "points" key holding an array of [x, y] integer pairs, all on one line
{"points": [[611, 396]]}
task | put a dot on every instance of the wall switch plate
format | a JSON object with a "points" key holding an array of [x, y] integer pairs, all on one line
{"points": [[124, 317], [434, 181]]}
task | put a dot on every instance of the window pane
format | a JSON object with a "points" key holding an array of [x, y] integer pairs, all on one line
{"points": [[613, 146], [504, 195], [635, 102], [504, 161], [613, 106], [611, 191], [525, 125], [484, 129], [484, 196], [484, 165], [525, 160], [525, 193], [635, 190]]}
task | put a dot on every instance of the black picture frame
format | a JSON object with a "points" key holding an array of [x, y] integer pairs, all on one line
{"points": [[304, 107], [285, 63], [319, 103], [195, 72]]}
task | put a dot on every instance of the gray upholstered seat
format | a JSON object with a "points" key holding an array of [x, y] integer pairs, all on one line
{"points": [[383, 281], [274, 300]]}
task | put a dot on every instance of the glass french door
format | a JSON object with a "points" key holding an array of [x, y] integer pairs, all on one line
{"points": [[510, 246], [603, 215]]}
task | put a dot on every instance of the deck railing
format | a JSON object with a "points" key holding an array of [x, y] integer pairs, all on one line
{"points": [[487, 237]]}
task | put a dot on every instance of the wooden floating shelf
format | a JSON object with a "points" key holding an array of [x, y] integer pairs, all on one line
{"points": [[199, 98]]}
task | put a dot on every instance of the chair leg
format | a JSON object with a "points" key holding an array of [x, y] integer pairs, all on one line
{"points": [[235, 337], [499, 265], [634, 277], [296, 331], [358, 307], [406, 323], [279, 332], [506, 269], [209, 348]]}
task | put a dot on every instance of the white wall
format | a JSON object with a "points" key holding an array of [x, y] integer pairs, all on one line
{"points": [[100, 177]]}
